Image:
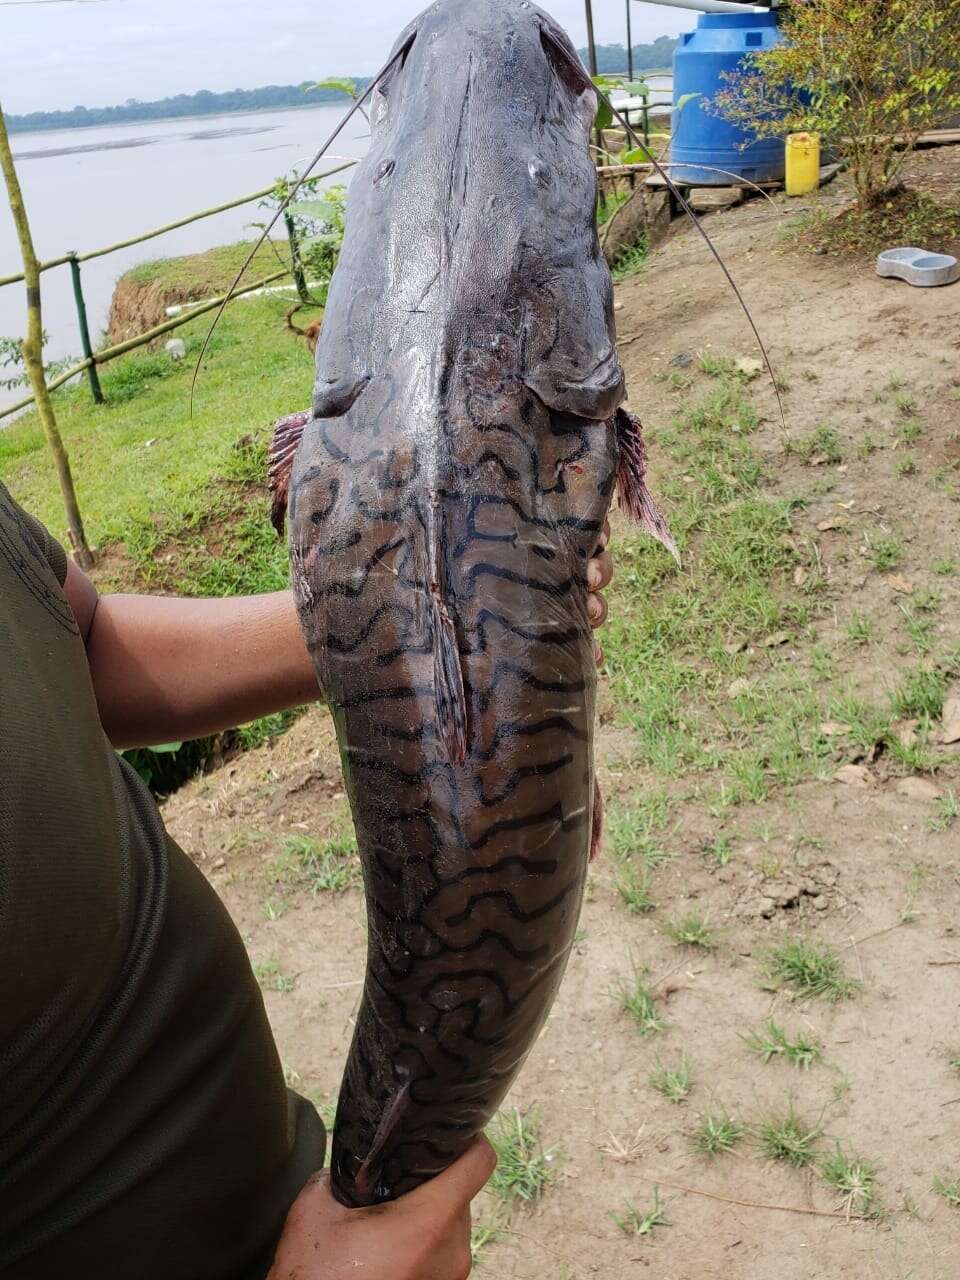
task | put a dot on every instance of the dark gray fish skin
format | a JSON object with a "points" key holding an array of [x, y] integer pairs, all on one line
{"points": [[444, 501]]}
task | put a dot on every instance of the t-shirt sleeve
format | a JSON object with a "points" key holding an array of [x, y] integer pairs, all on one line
{"points": [[47, 545]]}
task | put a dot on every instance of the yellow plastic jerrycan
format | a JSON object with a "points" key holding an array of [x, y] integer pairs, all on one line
{"points": [[803, 163]]}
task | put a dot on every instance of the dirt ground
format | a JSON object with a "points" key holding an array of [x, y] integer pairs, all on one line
{"points": [[856, 864]]}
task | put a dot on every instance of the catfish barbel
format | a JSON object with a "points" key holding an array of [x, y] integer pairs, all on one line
{"points": [[444, 497]]}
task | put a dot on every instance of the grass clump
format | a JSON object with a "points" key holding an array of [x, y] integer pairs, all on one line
{"points": [[318, 866], [717, 1133], [636, 999], [949, 1189], [853, 1179], [630, 831], [633, 887], [810, 969], [272, 978], [634, 1223], [524, 1169], [692, 931], [790, 1139], [630, 262], [674, 1082], [920, 695], [773, 1041], [822, 445], [884, 553]]}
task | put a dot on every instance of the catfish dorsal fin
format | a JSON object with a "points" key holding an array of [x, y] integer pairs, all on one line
{"points": [[287, 434], [635, 498]]}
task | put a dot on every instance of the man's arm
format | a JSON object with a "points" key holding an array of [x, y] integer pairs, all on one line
{"points": [[169, 670]]}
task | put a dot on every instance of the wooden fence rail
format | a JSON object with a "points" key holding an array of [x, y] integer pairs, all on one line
{"points": [[93, 358]]}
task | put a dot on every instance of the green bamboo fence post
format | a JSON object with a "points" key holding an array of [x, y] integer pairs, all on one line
{"points": [[92, 374], [296, 263]]}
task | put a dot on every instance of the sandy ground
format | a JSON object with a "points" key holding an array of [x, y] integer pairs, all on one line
{"points": [[842, 863]]}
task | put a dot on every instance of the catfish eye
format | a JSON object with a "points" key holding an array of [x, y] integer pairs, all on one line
{"points": [[384, 170]]}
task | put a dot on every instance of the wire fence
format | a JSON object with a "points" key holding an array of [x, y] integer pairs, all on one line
{"points": [[93, 359]]}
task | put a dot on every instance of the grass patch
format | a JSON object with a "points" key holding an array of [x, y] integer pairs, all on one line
{"points": [[716, 1134], [692, 931], [905, 217], [822, 445], [774, 1042], [673, 1082], [920, 695], [272, 978], [632, 1222], [212, 272], [633, 887], [853, 1179], [524, 1169], [630, 262], [318, 866], [949, 1189], [789, 1139], [636, 999], [810, 969]]}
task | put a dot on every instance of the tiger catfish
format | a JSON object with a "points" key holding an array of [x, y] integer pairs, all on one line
{"points": [[445, 496]]}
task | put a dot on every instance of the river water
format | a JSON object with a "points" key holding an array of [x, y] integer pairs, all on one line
{"points": [[85, 188]]}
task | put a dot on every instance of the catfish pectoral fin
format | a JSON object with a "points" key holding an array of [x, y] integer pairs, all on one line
{"points": [[636, 499], [287, 434]]}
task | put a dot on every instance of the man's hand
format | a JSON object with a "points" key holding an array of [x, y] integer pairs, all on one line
{"points": [[423, 1236]]}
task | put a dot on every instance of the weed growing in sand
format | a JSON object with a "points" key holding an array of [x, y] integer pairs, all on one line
{"points": [[790, 1139], [483, 1233], [811, 969], [920, 694], [911, 432], [774, 1042], [948, 810], [946, 568], [859, 630], [273, 910], [949, 1188], [524, 1169], [634, 1223], [692, 931], [720, 852], [907, 466], [716, 1134], [822, 445], [715, 366], [854, 1180], [272, 978], [320, 866], [633, 887], [884, 553], [630, 831], [637, 1000], [673, 1082]]}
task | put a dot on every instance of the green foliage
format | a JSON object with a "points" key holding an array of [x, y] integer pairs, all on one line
{"points": [[318, 866], [774, 1042], [872, 75], [634, 1223], [854, 1180], [811, 969], [524, 1169], [340, 85], [637, 1000], [717, 1133], [790, 1139], [674, 1082], [11, 359]]}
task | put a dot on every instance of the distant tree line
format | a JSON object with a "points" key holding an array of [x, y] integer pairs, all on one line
{"points": [[612, 58]]}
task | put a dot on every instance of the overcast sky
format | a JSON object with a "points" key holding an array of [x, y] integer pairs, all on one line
{"points": [[102, 52]]}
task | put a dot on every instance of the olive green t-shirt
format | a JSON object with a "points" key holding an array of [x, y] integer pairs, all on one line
{"points": [[145, 1129]]}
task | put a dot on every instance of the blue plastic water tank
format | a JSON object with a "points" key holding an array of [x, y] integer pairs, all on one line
{"points": [[719, 45]]}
